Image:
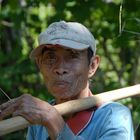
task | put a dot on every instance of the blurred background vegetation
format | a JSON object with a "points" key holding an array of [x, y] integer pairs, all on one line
{"points": [[114, 23]]}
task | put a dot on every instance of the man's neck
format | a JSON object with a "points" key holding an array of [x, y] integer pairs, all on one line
{"points": [[85, 93]]}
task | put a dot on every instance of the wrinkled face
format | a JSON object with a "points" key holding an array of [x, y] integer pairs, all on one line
{"points": [[65, 71]]}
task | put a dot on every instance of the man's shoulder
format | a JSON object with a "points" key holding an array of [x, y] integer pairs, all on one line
{"points": [[113, 119], [113, 106], [112, 111]]}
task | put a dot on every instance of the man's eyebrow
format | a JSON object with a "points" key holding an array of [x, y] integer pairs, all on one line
{"points": [[76, 52], [47, 50], [72, 50]]}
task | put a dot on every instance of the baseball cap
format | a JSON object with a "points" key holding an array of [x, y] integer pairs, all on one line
{"points": [[71, 35]]}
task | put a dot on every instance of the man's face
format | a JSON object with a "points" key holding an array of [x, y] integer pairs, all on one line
{"points": [[65, 71]]}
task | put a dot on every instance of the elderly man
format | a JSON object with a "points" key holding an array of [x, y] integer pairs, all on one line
{"points": [[66, 58]]}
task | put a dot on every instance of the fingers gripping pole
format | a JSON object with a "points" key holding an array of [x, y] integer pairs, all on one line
{"points": [[18, 123]]}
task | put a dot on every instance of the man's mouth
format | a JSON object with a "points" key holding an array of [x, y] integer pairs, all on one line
{"points": [[61, 83]]}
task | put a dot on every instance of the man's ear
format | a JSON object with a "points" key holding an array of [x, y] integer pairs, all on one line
{"points": [[94, 63]]}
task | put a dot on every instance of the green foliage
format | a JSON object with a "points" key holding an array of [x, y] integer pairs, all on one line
{"points": [[22, 21]]}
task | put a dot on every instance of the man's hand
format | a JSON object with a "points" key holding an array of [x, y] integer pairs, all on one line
{"points": [[35, 111]]}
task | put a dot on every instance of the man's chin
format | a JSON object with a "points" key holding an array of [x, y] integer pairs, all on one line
{"points": [[61, 94]]}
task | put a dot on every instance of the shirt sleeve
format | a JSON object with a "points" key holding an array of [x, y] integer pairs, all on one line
{"points": [[117, 123], [30, 134]]}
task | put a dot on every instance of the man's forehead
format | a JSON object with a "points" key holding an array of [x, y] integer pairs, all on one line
{"points": [[50, 47]]}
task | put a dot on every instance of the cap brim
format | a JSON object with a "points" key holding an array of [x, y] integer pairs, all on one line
{"points": [[63, 42]]}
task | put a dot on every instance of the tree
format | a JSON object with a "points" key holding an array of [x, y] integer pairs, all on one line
{"points": [[117, 32]]}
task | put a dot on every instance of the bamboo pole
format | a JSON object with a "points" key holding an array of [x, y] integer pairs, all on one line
{"points": [[18, 123]]}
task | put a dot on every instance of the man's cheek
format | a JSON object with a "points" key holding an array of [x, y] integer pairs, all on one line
{"points": [[82, 80]]}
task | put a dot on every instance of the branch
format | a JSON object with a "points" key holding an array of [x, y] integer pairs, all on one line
{"points": [[109, 57]]}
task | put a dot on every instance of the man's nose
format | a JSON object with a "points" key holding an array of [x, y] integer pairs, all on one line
{"points": [[61, 69]]}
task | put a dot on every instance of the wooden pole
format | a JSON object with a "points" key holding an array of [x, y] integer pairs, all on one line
{"points": [[18, 123]]}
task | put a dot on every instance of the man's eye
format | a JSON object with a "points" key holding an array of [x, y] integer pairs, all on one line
{"points": [[49, 59], [50, 56]]}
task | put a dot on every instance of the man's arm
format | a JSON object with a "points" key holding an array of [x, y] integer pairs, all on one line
{"points": [[36, 111]]}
